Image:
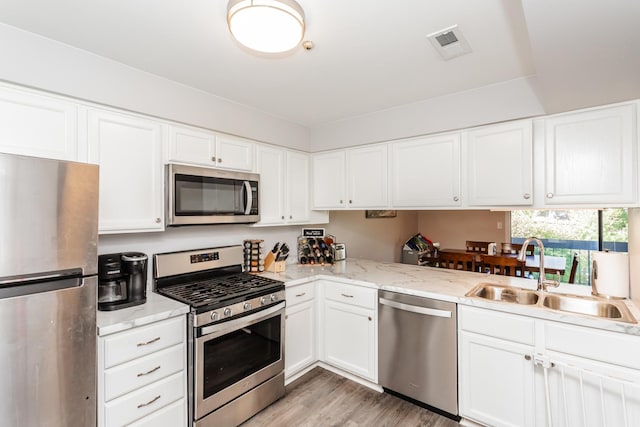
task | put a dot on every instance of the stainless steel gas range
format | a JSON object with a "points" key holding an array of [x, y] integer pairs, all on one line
{"points": [[236, 333]]}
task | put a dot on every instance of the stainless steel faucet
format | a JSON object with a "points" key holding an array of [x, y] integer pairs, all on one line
{"points": [[543, 283]]}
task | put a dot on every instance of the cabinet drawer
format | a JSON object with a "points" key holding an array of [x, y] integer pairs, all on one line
{"points": [[300, 293], [497, 324], [609, 347], [351, 294], [140, 372], [174, 415], [139, 342], [143, 402]]}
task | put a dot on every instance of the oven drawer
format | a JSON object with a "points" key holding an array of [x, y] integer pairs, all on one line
{"points": [[141, 372], [299, 293], [351, 294], [142, 341], [143, 402]]}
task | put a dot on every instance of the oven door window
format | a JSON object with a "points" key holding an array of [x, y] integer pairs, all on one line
{"points": [[238, 354], [203, 196]]}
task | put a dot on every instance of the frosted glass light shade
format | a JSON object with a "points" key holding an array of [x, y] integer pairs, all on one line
{"points": [[270, 26]]}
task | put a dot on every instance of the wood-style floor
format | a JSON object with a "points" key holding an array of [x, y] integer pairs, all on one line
{"points": [[322, 398]]}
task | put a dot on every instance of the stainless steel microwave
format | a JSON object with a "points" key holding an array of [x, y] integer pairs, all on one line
{"points": [[199, 195]]}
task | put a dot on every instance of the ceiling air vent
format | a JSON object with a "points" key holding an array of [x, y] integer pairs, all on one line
{"points": [[449, 42]]}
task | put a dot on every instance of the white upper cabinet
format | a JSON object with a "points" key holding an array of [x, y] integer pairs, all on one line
{"points": [[590, 157], [284, 187], [368, 177], [200, 147], [499, 164], [129, 152], [355, 178], [426, 172], [329, 180], [40, 126]]}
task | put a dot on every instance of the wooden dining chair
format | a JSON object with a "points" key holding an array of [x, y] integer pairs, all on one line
{"points": [[481, 247], [514, 249], [457, 261], [503, 265], [574, 268]]}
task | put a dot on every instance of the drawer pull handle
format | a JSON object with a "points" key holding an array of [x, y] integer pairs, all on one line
{"points": [[142, 405], [141, 374], [347, 296], [301, 295], [141, 344]]}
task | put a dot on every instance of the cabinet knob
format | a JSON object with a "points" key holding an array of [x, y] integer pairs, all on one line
{"points": [[219, 160], [527, 196], [158, 220], [350, 201], [527, 357], [290, 216], [282, 217], [549, 195], [370, 319], [341, 201], [286, 316], [213, 159], [456, 198]]}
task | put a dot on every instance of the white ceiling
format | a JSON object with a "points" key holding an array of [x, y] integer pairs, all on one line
{"points": [[369, 55]]}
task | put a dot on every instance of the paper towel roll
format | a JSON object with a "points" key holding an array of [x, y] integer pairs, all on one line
{"points": [[610, 274]]}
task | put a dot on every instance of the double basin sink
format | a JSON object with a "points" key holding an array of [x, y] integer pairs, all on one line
{"points": [[590, 306]]}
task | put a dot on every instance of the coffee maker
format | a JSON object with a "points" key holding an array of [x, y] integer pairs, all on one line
{"points": [[122, 280]]}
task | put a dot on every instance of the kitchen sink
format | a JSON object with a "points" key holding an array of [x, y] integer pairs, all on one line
{"points": [[598, 307], [511, 294], [586, 305]]}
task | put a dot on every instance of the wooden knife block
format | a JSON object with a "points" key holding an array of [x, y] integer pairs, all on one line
{"points": [[270, 264]]}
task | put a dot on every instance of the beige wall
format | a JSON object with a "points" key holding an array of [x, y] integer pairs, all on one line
{"points": [[453, 228], [379, 239]]}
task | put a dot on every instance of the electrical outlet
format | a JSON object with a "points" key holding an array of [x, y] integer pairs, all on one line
{"points": [[499, 225]]}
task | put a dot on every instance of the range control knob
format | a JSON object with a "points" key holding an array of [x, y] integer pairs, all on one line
{"points": [[247, 306], [227, 312], [264, 300], [274, 297], [214, 316]]}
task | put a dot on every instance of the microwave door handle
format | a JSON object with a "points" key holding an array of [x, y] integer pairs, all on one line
{"points": [[248, 198]]}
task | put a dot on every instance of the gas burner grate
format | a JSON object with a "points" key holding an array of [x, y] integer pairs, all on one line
{"points": [[218, 289]]}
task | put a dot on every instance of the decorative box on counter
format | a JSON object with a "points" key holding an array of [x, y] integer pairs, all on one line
{"points": [[419, 250]]}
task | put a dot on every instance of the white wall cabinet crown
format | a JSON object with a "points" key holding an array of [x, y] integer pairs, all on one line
{"points": [[129, 152], [38, 125], [590, 157], [356, 178], [284, 187], [200, 147], [426, 172], [498, 163]]}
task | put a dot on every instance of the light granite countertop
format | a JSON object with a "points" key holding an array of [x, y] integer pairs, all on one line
{"points": [[156, 308], [447, 285]]}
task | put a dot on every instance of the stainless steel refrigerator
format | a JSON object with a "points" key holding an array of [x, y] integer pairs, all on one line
{"points": [[48, 266]]}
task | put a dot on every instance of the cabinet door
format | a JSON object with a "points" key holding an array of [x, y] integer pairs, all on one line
{"points": [[234, 153], [328, 180], [39, 126], [349, 339], [270, 166], [496, 381], [190, 145], [590, 157], [499, 165], [299, 340], [297, 187], [129, 152], [368, 184], [426, 172]]}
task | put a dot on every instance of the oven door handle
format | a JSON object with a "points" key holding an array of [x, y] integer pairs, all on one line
{"points": [[222, 328]]}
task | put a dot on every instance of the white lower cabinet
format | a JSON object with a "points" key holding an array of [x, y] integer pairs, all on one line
{"points": [[350, 329], [300, 328], [520, 371], [142, 376], [496, 384]]}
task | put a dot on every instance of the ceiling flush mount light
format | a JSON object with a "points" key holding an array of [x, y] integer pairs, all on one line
{"points": [[269, 26]]}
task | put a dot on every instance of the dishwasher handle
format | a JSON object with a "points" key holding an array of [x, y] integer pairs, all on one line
{"points": [[415, 309]]}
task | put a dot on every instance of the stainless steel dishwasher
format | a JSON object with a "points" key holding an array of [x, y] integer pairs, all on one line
{"points": [[417, 350]]}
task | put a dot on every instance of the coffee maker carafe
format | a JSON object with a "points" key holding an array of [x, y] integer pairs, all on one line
{"points": [[122, 280]]}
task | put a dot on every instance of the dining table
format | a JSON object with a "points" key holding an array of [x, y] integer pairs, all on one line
{"points": [[552, 264]]}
